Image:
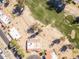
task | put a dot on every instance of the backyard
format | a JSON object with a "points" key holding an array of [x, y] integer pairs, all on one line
{"points": [[41, 12]]}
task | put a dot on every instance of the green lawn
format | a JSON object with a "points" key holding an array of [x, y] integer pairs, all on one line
{"points": [[41, 12]]}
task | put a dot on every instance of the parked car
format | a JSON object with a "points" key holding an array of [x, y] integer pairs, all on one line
{"points": [[64, 48], [17, 55], [2, 56], [43, 57], [34, 35], [1, 51]]}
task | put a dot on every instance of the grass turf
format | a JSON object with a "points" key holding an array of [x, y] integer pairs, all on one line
{"points": [[41, 12]]}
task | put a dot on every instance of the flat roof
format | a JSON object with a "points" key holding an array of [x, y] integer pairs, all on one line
{"points": [[5, 19], [14, 33]]}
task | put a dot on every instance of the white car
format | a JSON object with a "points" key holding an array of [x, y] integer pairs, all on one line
{"points": [[1, 13], [2, 56], [1, 51]]}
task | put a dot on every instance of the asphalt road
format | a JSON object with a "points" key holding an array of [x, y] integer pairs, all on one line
{"points": [[8, 54], [3, 36]]}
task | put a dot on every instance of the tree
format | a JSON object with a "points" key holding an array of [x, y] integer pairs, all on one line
{"points": [[58, 5], [63, 38], [68, 1], [20, 52], [6, 3], [18, 8], [75, 52], [76, 21], [13, 43], [70, 18], [64, 57], [21, 3]]}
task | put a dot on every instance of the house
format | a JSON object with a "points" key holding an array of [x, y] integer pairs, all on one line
{"points": [[14, 34], [4, 19]]}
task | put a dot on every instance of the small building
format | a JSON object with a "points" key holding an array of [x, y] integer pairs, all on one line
{"points": [[14, 33]]}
